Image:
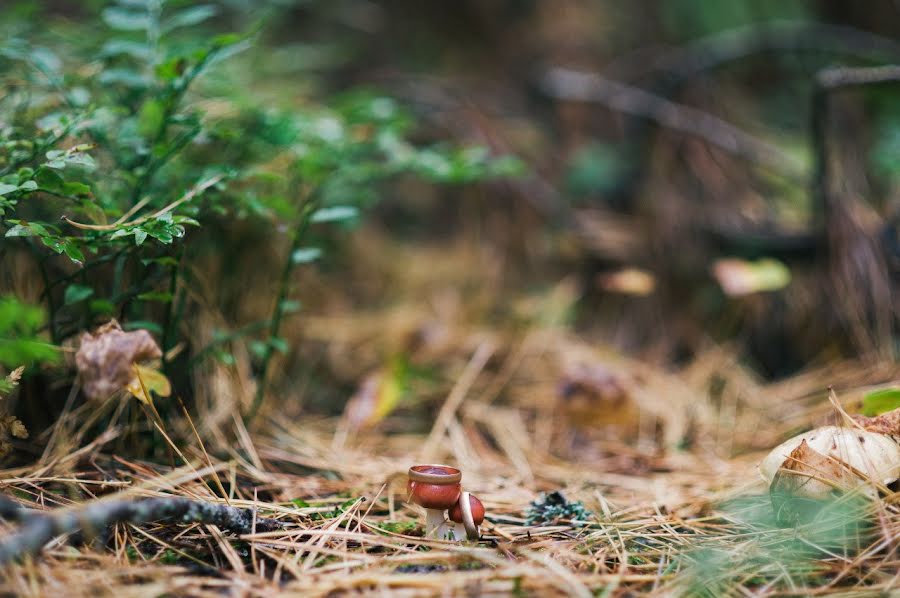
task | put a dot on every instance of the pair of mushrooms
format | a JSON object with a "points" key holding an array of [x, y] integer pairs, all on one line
{"points": [[438, 489]]}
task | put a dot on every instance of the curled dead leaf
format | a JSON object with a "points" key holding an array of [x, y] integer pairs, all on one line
{"points": [[17, 429], [105, 358]]}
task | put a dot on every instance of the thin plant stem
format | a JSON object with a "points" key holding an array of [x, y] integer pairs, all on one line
{"points": [[170, 318], [278, 310]]}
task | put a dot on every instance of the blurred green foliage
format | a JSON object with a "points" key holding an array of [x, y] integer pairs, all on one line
{"points": [[783, 556], [19, 340], [692, 18], [118, 138]]}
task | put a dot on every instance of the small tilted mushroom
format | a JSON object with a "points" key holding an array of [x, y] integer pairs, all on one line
{"points": [[436, 488], [467, 514], [819, 463]]}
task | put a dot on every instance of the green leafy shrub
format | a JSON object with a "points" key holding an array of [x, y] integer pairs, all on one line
{"points": [[111, 149]]}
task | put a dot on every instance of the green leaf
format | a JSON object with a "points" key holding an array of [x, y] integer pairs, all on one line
{"points": [[19, 341], [126, 47], [76, 293], [73, 252], [126, 77], [49, 180], [290, 306], [259, 349], [162, 297], [76, 189], [140, 236], [150, 117], [334, 214], [305, 255], [171, 69], [45, 60], [126, 20], [881, 401], [20, 230], [143, 325], [190, 16], [279, 344], [81, 159], [7, 188], [102, 306]]}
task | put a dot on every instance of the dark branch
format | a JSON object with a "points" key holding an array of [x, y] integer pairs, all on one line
{"points": [[588, 87], [730, 46], [37, 530], [827, 82]]}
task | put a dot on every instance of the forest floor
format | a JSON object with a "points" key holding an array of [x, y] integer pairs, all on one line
{"points": [[663, 460]]}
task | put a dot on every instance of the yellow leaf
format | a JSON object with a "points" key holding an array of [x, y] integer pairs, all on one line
{"points": [[377, 396], [629, 281], [147, 380]]}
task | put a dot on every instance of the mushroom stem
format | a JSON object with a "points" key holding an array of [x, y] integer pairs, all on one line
{"points": [[459, 531], [434, 520]]}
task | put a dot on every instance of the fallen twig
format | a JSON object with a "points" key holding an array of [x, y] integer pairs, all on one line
{"points": [[590, 87], [37, 530]]}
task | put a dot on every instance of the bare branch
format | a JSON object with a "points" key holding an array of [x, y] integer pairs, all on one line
{"points": [[569, 84], [36, 530]]}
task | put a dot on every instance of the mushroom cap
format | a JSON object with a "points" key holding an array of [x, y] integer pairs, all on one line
{"points": [[456, 515], [874, 455], [434, 486]]}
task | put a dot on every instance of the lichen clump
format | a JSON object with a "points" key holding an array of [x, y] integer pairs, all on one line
{"points": [[552, 507]]}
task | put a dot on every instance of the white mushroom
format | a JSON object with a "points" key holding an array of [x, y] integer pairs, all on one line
{"points": [[816, 463]]}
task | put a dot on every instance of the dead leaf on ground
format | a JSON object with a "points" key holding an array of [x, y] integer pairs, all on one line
{"points": [[809, 473], [630, 281], [377, 396], [594, 395], [147, 381], [886, 423], [105, 358], [741, 277]]}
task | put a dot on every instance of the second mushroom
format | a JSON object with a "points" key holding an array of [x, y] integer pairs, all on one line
{"points": [[438, 489]]}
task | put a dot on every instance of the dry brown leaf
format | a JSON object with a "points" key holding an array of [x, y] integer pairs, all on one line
{"points": [[105, 357], [14, 376], [594, 395], [809, 473], [886, 423]]}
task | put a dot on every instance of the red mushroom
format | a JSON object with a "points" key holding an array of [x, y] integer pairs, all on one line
{"points": [[467, 514], [435, 487]]}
